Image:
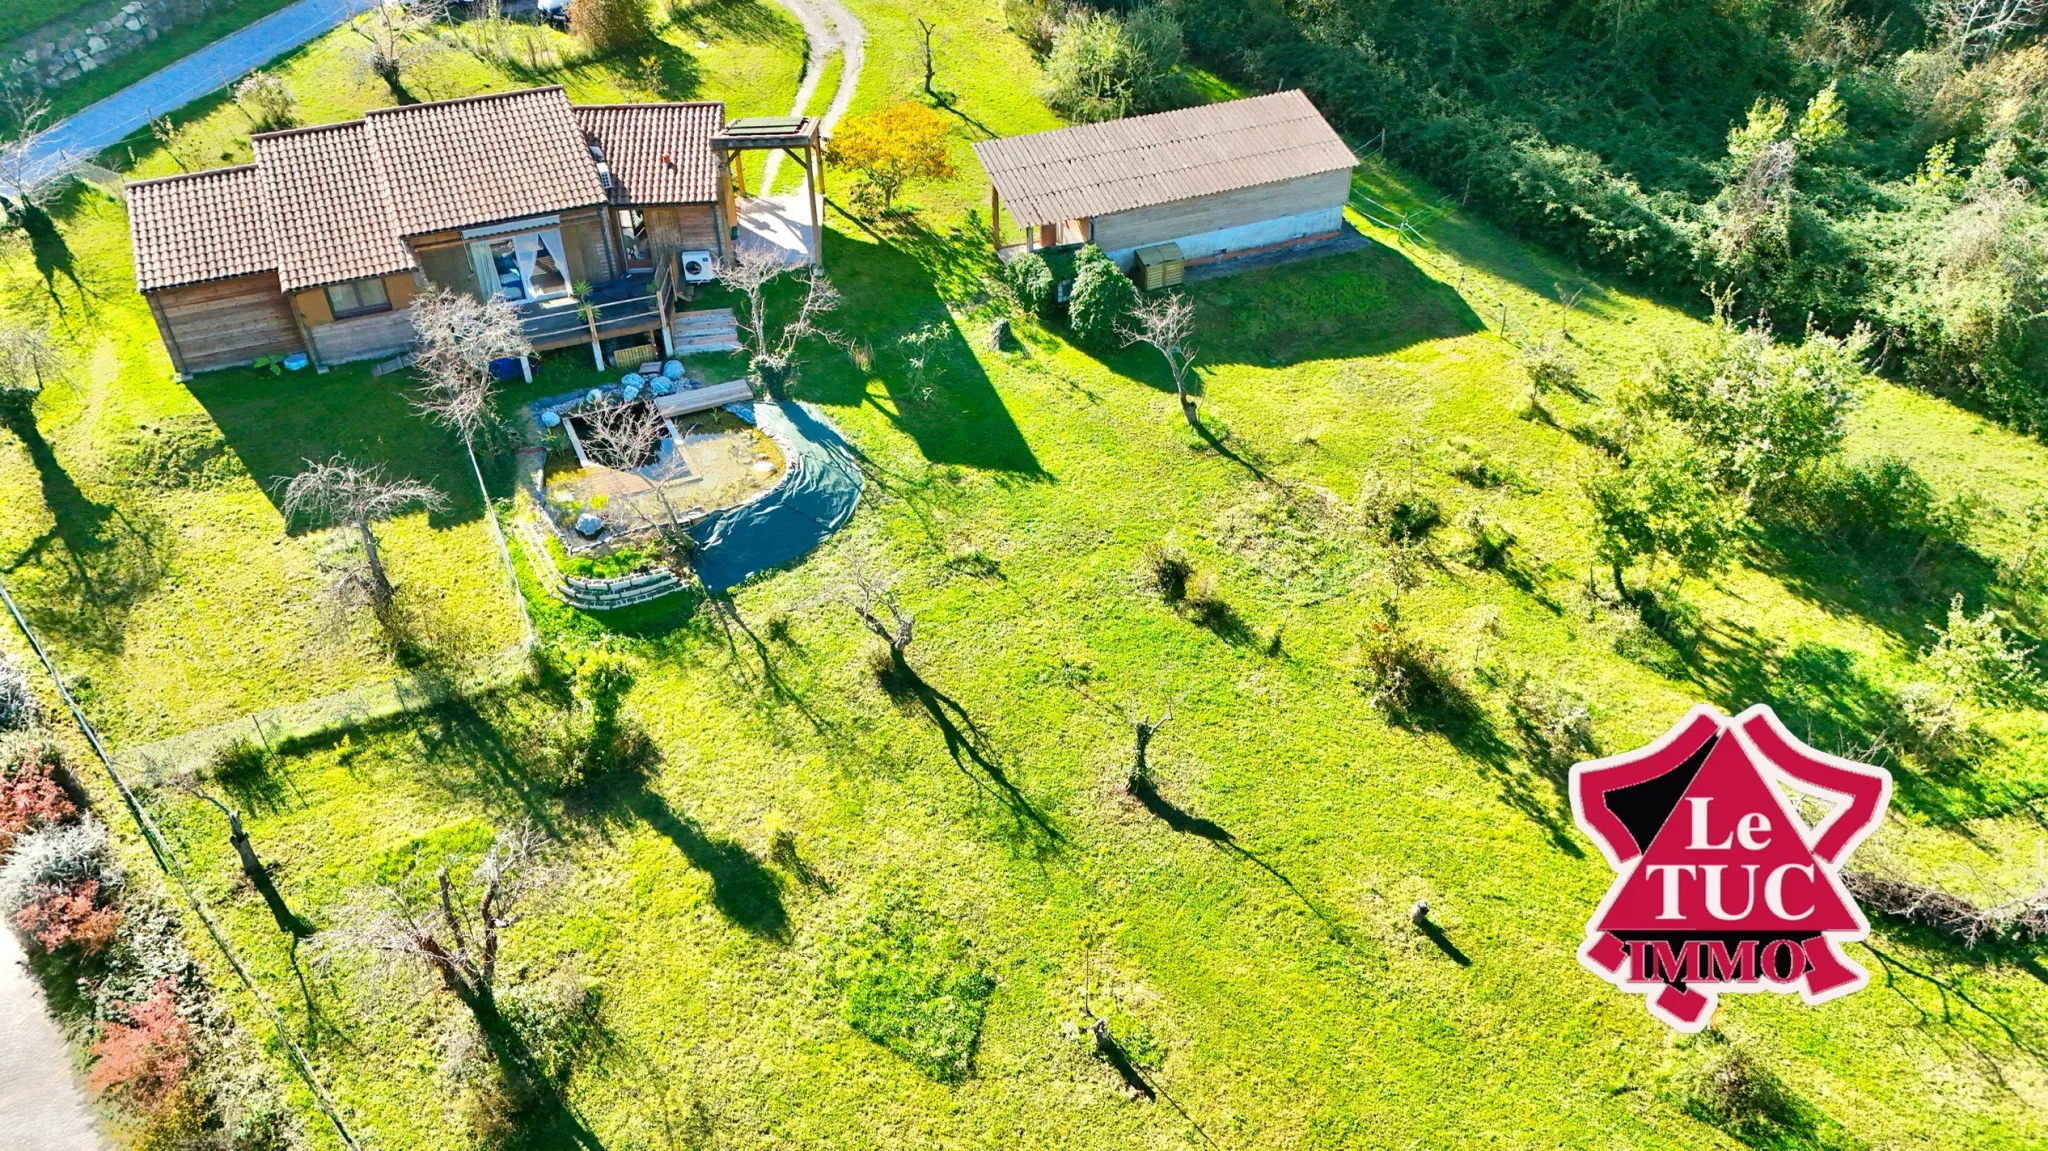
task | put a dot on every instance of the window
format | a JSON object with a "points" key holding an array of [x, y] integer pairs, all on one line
{"points": [[357, 298]]}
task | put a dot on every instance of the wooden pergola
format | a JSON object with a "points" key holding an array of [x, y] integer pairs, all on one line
{"points": [[801, 138]]}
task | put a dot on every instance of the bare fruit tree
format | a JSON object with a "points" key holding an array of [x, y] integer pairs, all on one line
{"points": [[397, 36], [1167, 323], [623, 436], [749, 273], [460, 337], [28, 182], [27, 359], [339, 493], [866, 596], [455, 926], [1143, 728]]}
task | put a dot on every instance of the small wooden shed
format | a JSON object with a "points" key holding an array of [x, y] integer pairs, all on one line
{"points": [[1216, 181]]}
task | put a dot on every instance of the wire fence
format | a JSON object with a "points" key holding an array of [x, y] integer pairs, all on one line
{"points": [[172, 866]]}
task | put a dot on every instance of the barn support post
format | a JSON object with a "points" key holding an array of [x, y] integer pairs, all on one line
{"points": [[995, 219]]}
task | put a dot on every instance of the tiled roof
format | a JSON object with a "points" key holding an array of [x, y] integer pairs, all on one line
{"points": [[658, 153], [191, 229], [1096, 169], [336, 202], [482, 159], [330, 213]]}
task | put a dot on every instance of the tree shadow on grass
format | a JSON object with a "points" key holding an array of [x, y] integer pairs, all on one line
{"points": [[275, 426], [1183, 823], [742, 888], [971, 752], [890, 284], [80, 578], [1993, 1035], [545, 1119], [1823, 697], [480, 758]]}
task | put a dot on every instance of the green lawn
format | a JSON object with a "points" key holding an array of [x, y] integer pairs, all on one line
{"points": [[1246, 929]]}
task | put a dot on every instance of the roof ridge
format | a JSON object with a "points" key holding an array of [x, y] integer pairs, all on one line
{"points": [[308, 130], [477, 98], [199, 175], [653, 104]]}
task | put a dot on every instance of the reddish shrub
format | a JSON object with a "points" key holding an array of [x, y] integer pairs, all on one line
{"points": [[68, 916], [143, 1062], [30, 796]]}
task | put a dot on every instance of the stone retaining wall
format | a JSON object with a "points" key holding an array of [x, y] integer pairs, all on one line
{"points": [[94, 36]]}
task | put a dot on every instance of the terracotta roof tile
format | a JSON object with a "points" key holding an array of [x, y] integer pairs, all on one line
{"points": [[658, 153], [330, 214], [1097, 169], [205, 226], [481, 159]]}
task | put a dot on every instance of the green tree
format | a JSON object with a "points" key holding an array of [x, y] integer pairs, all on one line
{"points": [[1102, 297], [1103, 68], [1765, 413], [1661, 505]]}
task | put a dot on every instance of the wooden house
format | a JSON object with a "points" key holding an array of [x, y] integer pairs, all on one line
{"points": [[320, 243], [1216, 181]]}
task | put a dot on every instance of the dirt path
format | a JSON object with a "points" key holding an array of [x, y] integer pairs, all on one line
{"points": [[41, 1105], [829, 27]]}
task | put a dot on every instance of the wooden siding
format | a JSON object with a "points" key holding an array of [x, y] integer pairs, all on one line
{"points": [[589, 250], [362, 338], [1142, 226], [226, 322], [681, 228]]}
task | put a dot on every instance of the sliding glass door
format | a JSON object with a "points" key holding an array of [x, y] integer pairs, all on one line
{"points": [[529, 266]]}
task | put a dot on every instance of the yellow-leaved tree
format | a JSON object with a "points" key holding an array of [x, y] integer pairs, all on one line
{"points": [[891, 147]]}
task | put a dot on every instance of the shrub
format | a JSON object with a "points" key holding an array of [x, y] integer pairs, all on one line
{"points": [[1974, 655], [56, 857], [70, 917], [268, 99], [1102, 296], [1168, 569], [1661, 505], [1554, 721], [608, 25], [1035, 22], [32, 791], [1933, 715], [1397, 671], [143, 1061], [561, 1020], [1031, 279], [1735, 1092], [1397, 509], [1487, 542], [18, 708]]}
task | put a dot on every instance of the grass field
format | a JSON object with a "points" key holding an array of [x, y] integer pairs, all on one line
{"points": [[1245, 926]]}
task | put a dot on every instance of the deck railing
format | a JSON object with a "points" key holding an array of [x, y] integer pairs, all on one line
{"points": [[575, 320]]}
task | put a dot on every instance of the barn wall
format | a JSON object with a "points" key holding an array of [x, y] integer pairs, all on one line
{"points": [[1306, 196], [225, 323]]}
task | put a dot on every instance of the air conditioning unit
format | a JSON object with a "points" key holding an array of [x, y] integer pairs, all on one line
{"points": [[697, 267]]}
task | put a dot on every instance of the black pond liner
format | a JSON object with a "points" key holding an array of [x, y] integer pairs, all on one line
{"points": [[820, 488]]}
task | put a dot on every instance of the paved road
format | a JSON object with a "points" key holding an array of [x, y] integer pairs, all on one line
{"points": [[210, 69], [829, 27], [41, 1105]]}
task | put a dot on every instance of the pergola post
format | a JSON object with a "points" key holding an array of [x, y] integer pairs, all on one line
{"points": [[814, 166]]}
